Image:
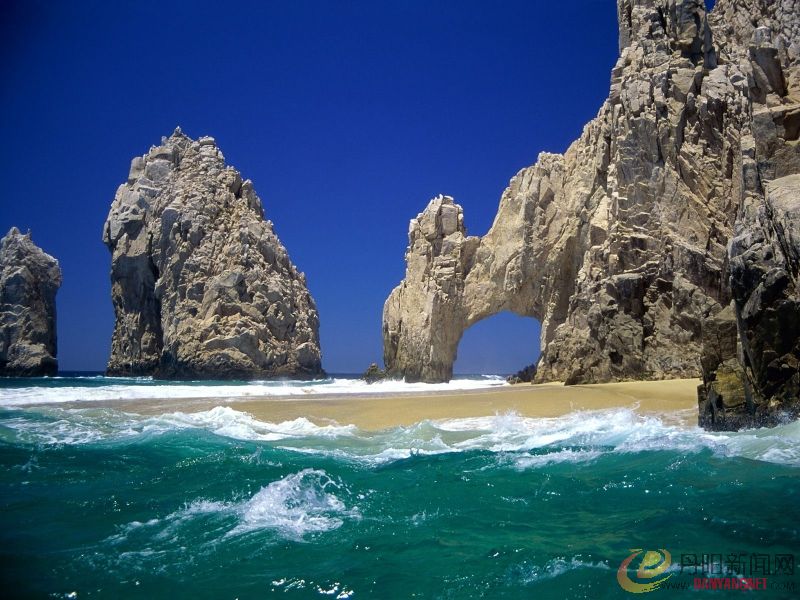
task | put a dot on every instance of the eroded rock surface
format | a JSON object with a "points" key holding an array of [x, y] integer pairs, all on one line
{"points": [[29, 280], [619, 246], [202, 287], [751, 358]]}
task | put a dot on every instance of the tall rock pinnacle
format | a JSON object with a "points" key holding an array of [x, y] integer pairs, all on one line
{"points": [[202, 287], [29, 280], [619, 247]]}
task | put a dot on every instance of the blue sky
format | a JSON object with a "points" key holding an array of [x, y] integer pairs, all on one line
{"points": [[347, 116]]}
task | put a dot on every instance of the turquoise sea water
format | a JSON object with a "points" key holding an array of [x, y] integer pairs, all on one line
{"points": [[100, 503]]}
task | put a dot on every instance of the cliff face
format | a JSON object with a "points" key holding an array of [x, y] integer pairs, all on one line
{"points": [[29, 280], [751, 350], [202, 287], [619, 246]]}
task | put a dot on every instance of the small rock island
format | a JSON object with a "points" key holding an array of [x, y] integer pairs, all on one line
{"points": [[29, 280], [201, 285]]}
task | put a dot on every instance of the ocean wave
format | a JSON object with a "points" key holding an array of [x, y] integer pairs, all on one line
{"points": [[228, 422], [534, 442], [291, 508], [57, 427], [519, 442], [86, 426], [295, 506], [533, 461]]}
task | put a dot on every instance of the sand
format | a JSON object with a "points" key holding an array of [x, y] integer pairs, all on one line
{"points": [[674, 400]]}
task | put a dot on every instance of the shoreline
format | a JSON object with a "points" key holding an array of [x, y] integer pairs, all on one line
{"points": [[674, 400]]}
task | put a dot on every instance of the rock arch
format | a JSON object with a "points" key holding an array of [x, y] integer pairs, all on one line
{"points": [[619, 246]]}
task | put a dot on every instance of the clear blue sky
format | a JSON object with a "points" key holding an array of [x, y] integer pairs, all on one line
{"points": [[347, 116]]}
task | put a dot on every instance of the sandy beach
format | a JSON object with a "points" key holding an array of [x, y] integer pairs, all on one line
{"points": [[675, 400]]}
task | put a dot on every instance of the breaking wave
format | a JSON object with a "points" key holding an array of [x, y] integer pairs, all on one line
{"points": [[291, 508], [519, 442]]}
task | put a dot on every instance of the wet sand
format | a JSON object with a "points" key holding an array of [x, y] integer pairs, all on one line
{"points": [[675, 400]]}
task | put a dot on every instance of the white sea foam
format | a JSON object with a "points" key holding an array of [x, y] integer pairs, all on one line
{"points": [[578, 437], [334, 589], [532, 461], [291, 508], [70, 427], [521, 442], [228, 422], [556, 567], [144, 389], [85, 426], [295, 506]]}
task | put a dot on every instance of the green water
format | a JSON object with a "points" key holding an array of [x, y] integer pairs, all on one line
{"points": [[97, 503]]}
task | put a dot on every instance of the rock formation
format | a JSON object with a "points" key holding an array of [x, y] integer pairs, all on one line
{"points": [[202, 287], [751, 350], [29, 280], [619, 247], [524, 375], [373, 374]]}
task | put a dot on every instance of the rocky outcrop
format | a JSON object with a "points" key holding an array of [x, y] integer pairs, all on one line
{"points": [[373, 374], [29, 280], [202, 287], [751, 351], [524, 375], [619, 247]]}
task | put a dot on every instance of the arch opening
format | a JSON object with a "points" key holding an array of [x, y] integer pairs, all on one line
{"points": [[501, 344]]}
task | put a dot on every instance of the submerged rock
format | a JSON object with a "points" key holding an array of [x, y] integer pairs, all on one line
{"points": [[202, 287], [619, 247], [29, 280]]}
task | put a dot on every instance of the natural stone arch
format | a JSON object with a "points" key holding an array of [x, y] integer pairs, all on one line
{"points": [[454, 280], [619, 246]]}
